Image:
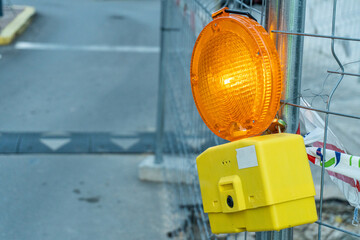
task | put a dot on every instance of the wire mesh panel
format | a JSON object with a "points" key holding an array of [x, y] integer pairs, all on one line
{"points": [[331, 56], [329, 83], [185, 134]]}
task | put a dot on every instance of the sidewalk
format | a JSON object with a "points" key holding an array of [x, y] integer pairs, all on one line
{"points": [[82, 197], [14, 21]]}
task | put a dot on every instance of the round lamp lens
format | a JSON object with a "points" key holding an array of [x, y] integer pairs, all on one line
{"points": [[236, 77]]}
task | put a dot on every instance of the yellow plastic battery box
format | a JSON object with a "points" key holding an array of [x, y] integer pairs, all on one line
{"points": [[261, 183]]}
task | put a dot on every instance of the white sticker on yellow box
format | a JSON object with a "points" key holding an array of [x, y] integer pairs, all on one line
{"points": [[246, 157]]}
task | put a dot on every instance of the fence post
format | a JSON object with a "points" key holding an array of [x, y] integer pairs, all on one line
{"points": [[287, 15], [161, 89]]}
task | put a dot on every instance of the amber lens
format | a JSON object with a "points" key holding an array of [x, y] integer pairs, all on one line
{"points": [[236, 77]]}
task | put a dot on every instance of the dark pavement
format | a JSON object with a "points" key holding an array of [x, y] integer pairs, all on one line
{"points": [[82, 78], [92, 86]]}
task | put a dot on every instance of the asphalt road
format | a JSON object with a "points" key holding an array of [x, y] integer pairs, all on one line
{"points": [[81, 67], [81, 83], [78, 198]]}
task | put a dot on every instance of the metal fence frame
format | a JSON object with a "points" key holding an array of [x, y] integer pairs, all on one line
{"points": [[285, 21]]}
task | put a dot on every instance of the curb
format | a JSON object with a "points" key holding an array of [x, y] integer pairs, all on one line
{"points": [[17, 25], [170, 172]]}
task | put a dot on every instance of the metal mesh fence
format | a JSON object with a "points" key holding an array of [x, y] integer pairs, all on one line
{"points": [[185, 135]]}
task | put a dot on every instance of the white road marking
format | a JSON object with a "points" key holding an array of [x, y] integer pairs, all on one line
{"points": [[86, 48], [125, 143], [55, 144]]}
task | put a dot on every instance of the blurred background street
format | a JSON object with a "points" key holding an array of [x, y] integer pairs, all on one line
{"points": [[82, 78], [78, 197], [82, 67]]}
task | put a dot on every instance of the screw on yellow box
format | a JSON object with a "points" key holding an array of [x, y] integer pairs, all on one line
{"points": [[257, 184]]}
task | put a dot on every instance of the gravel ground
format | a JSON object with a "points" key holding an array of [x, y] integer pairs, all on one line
{"points": [[335, 212]]}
